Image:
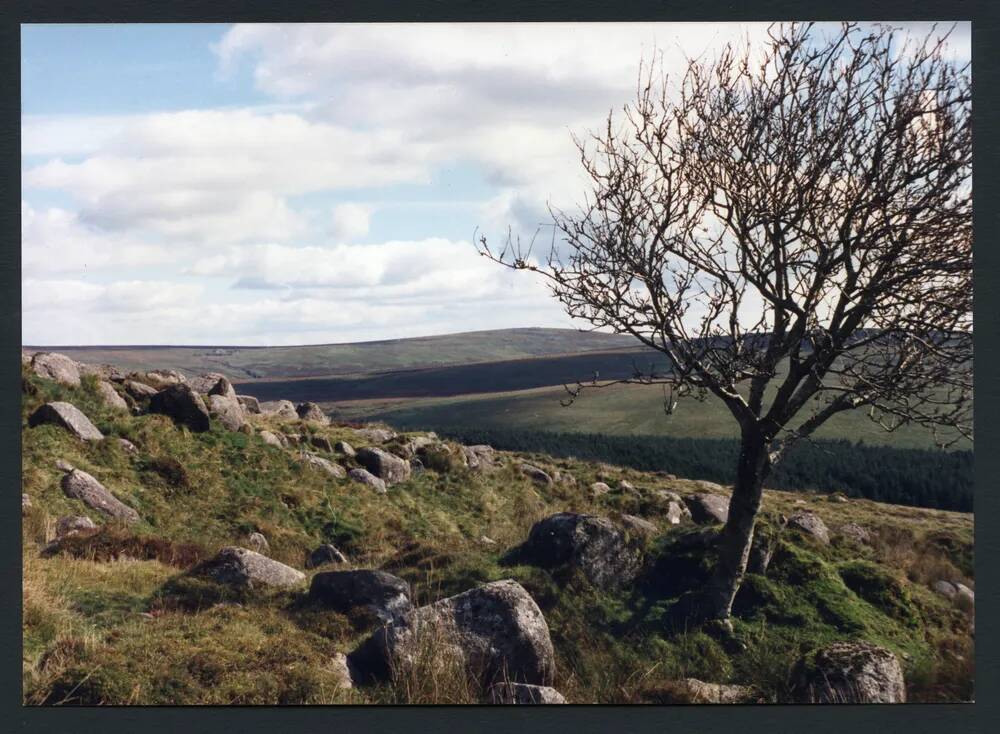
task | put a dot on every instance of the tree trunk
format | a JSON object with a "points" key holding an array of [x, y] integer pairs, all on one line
{"points": [[737, 535]]}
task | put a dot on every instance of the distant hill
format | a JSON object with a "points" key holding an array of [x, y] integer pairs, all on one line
{"points": [[355, 359]]}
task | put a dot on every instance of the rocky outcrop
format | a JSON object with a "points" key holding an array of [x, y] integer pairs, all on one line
{"points": [[677, 512], [58, 367], [325, 554], [312, 412], [223, 388], [281, 409], [139, 390], [592, 544], [205, 382], [182, 404], [103, 372], [639, 526], [811, 524], [110, 397], [495, 631], [376, 435], [227, 411], [381, 593], [345, 448], [707, 508], [692, 690], [363, 476], [334, 470], [73, 524], [82, 486], [849, 672], [235, 566], [538, 476], [250, 404], [161, 379], [479, 457], [524, 694], [384, 465], [67, 416]]}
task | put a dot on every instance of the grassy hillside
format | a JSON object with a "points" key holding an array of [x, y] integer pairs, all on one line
{"points": [[620, 410], [116, 619], [352, 359]]}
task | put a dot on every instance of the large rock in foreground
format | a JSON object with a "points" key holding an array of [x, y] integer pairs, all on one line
{"points": [[385, 595], [82, 486], [524, 694], [58, 367], [69, 417], [110, 397], [849, 672], [183, 405], [384, 465], [495, 631], [236, 566], [707, 508], [592, 544]]}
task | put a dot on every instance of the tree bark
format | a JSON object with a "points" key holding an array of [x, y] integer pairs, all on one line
{"points": [[737, 534]]}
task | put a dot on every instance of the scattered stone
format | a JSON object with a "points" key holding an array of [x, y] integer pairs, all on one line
{"points": [[324, 554], [312, 412], [139, 390], [363, 476], [496, 631], [857, 533], [205, 382], [599, 488], [69, 417], [281, 409], [25, 503], [292, 439], [345, 448], [535, 474], [110, 397], [104, 372], [258, 543], [486, 540], [849, 672], [183, 405], [811, 524], [479, 457], [627, 487], [82, 486], [964, 596], [273, 439], [247, 429], [58, 367], [707, 508], [224, 388], [385, 595], [72, 524], [237, 566], [692, 690], [665, 496], [524, 694], [565, 478], [639, 526], [227, 411], [64, 466], [334, 470], [677, 512], [341, 668], [710, 487], [376, 435], [250, 403], [321, 442], [161, 379], [409, 449], [127, 446], [944, 588], [592, 544], [384, 465]]}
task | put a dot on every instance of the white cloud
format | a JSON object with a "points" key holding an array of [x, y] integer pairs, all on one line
{"points": [[350, 221]]}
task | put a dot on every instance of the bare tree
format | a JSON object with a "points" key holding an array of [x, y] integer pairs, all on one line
{"points": [[792, 227]]}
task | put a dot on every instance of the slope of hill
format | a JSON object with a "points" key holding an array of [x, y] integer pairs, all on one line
{"points": [[119, 614], [351, 359]]}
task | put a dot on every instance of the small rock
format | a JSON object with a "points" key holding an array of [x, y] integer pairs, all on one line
{"points": [[535, 474], [127, 446], [964, 596], [322, 443], [342, 447], [340, 666], [639, 526], [486, 540], [72, 524], [64, 466], [479, 457], [281, 409], [183, 405], [856, 533], [692, 690], [58, 367], [363, 476], [69, 417], [944, 588], [82, 486], [811, 524], [223, 388], [385, 595], [849, 672], [376, 435], [524, 693], [104, 372], [599, 488], [25, 503], [324, 554], [677, 513], [227, 411], [161, 379], [273, 439], [334, 470], [138, 390], [627, 487], [110, 397], [258, 543], [242, 567], [707, 508], [312, 413], [384, 465], [205, 382], [250, 404]]}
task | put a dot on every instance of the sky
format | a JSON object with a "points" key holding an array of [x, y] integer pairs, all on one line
{"points": [[304, 184]]}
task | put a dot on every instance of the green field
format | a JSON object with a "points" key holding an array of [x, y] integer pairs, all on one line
{"points": [[617, 410]]}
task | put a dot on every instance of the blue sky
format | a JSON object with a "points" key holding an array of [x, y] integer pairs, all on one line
{"points": [[216, 184]]}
